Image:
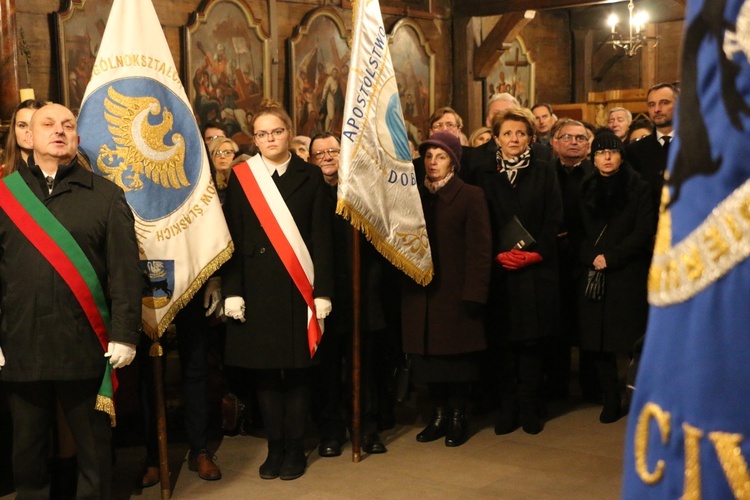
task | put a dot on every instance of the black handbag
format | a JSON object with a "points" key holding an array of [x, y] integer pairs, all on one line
{"points": [[595, 285], [403, 378], [596, 279]]}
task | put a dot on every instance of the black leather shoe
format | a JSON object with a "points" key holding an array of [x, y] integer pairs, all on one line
{"points": [[437, 427], [329, 448], [373, 445], [458, 429]]}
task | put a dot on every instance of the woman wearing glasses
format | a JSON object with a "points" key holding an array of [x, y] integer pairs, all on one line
{"points": [[618, 221], [525, 211], [278, 282], [221, 151]]}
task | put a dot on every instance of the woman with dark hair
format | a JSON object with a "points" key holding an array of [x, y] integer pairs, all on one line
{"points": [[443, 327], [17, 150], [639, 129], [618, 222], [281, 272], [526, 211]]}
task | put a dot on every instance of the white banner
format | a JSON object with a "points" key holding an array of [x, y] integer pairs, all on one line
{"points": [[377, 186], [138, 129]]}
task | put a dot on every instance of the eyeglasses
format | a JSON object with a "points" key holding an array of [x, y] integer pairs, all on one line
{"points": [[332, 152], [224, 152], [212, 137], [264, 136], [571, 137], [444, 125], [603, 152]]}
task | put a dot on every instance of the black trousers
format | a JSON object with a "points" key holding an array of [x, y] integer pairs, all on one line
{"points": [[33, 406], [193, 334]]}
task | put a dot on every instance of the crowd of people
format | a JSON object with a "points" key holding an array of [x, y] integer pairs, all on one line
{"points": [[541, 232]]}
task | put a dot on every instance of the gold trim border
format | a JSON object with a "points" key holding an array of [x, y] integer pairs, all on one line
{"points": [[708, 253]]}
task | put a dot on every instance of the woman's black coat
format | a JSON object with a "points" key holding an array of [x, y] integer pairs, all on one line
{"points": [[524, 305], [617, 321], [274, 334]]}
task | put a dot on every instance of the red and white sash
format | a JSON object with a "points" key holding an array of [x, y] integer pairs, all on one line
{"points": [[279, 226]]}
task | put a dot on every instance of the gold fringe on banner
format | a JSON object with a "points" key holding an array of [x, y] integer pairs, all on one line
{"points": [[416, 243], [182, 301]]}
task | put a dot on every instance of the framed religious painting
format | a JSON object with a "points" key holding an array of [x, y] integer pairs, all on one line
{"points": [[318, 71], [227, 61], [514, 72], [79, 27], [414, 65]]}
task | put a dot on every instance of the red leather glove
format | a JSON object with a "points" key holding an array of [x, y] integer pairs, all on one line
{"points": [[517, 259]]}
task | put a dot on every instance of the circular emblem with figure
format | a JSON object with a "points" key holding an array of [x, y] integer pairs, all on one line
{"points": [[141, 136], [390, 122]]}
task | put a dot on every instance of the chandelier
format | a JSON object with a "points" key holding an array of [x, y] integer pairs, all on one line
{"points": [[637, 37]]}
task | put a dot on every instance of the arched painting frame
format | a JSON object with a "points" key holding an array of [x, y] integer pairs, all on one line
{"points": [[513, 72], [319, 68], [414, 65], [227, 61]]}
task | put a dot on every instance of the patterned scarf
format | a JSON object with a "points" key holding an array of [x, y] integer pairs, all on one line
{"points": [[510, 167], [434, 187]]}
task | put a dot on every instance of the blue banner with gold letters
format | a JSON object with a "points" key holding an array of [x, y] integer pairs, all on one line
{"points": [[138, 129], [689, 424]]}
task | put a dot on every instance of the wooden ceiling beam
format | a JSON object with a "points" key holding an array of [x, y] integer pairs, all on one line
{"points": [[472, 8], [505, 31]]}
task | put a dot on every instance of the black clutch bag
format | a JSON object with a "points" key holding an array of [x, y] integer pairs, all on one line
{"points": [[514, 235]]}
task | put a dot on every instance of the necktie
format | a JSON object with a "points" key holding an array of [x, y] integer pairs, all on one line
{"points": [[275, 175], [50, 182], [666, 140]]}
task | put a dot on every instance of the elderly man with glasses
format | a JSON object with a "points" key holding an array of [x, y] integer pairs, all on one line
{"points": [[377, 338]]}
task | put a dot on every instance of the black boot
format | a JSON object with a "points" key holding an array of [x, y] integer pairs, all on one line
{"points": [[612, 410], [295, 460], [437, 427], [271, 467], [530, 417], [507, 420], [458, 429]]}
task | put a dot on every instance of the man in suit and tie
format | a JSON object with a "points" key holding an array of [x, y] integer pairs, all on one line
{"points": [[649, 155]]}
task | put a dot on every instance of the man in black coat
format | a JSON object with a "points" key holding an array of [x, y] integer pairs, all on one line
{"points": [[649, 155], [571, 143], [336, 347], [51, 351]]}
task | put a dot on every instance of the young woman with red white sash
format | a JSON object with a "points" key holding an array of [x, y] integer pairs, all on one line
{"points": [[278, 283]]}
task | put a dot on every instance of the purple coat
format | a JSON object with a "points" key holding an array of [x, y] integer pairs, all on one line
{"points": [[435, 318]]}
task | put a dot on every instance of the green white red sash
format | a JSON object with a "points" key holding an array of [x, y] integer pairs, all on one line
{"points": [[57, 245], [279, 226]]}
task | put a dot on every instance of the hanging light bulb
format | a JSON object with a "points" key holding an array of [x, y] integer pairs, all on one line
{"points": [[636, 29]]}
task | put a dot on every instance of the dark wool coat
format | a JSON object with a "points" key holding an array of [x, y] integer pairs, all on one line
{"points": [[525, 304], [435, 318], [45, 334], [275, 332], [617, 321], [649, 158]]}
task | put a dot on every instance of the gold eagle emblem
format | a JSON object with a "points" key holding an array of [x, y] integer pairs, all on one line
{"points": [[140, 148]]}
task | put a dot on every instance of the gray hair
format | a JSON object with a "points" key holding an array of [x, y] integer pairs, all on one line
{"points": [[627, 113]]}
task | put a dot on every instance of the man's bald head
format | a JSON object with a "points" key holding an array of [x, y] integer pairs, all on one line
{"points": [[53, 135]]}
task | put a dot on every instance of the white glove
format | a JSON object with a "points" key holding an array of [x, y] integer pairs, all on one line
{"points": [[120, 354], [322, 307], [213, 297], [2, 359], [234, 307]]}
